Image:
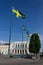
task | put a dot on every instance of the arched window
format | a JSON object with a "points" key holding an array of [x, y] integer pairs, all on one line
{"points": [[23, 51], [15, 51], [23, 46], [18, 51], [18, 45]]}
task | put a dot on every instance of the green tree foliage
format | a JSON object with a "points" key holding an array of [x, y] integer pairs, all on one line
{"points": [[35, 44]]}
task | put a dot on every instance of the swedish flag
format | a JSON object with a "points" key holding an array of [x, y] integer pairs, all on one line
{"points": [[18, 13]]}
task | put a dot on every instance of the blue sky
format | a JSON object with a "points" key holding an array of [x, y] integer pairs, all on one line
{"points": [[33, 10]]}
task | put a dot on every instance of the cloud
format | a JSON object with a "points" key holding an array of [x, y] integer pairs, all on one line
{"points": [[3, 42], [41, 38]]}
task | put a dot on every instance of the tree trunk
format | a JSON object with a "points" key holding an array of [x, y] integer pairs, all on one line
{"points": [[37, 56]]}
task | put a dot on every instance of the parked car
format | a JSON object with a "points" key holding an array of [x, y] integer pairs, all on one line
{"points": [[41, 55], [28, 56]]}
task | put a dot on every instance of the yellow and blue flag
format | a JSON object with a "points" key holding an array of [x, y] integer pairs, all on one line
{"points": [[18, 13]]}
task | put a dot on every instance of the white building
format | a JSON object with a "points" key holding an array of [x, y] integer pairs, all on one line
{"points": [[19, 47], [16, 48], [4, 49]]}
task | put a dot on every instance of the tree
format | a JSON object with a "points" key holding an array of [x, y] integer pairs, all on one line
{"points": [[35, 44]]}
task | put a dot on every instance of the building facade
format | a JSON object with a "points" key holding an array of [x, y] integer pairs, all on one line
{"points": [[19, 47], [4, 49], [16, 48]]}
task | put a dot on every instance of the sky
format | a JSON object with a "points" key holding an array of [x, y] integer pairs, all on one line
{"points": [[33, 10]]}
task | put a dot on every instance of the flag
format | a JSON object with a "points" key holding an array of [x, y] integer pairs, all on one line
{"points": [[27, 33], [18, 13], [24, 28]]}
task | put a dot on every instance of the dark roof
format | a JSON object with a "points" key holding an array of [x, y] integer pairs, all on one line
{"points": [[4, 44]]}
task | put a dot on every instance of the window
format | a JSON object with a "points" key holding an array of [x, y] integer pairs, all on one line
{"points": [[20, 46], [18, 51], [23, 51], [25, 46], [16, 46], [15, 51]]}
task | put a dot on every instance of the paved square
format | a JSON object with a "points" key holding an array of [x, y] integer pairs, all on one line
{"points": [[19, 61]]}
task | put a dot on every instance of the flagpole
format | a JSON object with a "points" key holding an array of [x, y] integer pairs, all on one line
{"points": [[10, 35]]}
